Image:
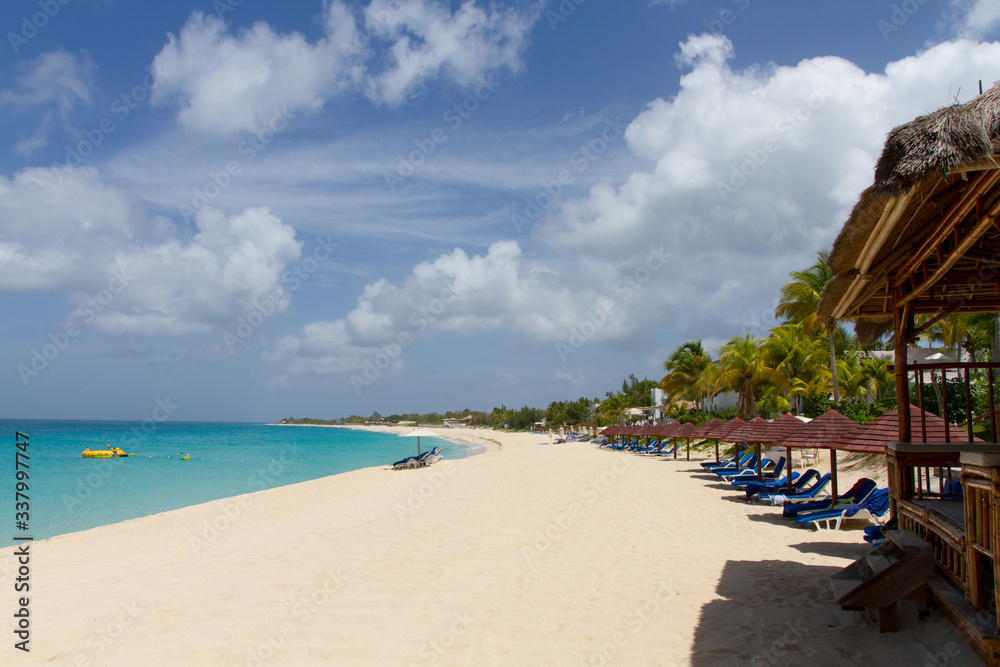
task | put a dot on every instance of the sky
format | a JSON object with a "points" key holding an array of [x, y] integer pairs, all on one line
{"points": [[235, 210]]}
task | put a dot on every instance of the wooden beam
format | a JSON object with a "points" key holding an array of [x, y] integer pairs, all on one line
{"points": [[965, 204], [952, 258], [901, 316]]}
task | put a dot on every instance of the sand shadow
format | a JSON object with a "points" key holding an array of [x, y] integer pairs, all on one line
{"points": [[834, 549], [763, 605]]}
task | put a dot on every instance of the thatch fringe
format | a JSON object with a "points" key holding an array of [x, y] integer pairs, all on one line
{"points": [[852, 238], [937, 142], [869, 330]]}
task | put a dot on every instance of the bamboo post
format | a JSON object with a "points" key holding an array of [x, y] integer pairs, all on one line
{"points": [[833, 475], [788, 466]]}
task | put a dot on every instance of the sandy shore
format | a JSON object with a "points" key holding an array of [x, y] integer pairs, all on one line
{"points": [[526, 555]]}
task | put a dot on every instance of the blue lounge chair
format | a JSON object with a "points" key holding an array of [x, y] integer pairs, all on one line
{"points": [[863, 488], [875, 506], [775, 486], [765, 465], [730, 465], [425, 459], [749, 476], [799, 490], [717, 464]]}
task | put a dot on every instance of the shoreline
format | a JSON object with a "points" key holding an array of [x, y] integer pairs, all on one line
{"points": [[565, 554]]}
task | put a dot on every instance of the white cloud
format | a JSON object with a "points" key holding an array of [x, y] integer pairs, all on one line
{"points": [[51, 84], [224, 82], [67, 231], [976, 18], [228, 83], [461, 294], [748, 174], [428, 41]]}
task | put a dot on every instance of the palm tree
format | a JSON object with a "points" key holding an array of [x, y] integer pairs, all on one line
{"points": [[613, 408], [796, 355], [743, 368], [855, 383], [688, 373], [877, 372], [800, 300]]}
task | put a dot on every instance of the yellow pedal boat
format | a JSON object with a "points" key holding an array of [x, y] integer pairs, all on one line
{"points": [[103, 453]]}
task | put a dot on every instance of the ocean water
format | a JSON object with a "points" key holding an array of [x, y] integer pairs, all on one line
{"points": [[67, 492]]}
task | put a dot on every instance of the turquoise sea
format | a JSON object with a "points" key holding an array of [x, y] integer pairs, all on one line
{"points": [[68, 493]]}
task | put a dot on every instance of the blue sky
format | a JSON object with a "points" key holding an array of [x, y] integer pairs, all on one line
{"points": [[248, 211]]}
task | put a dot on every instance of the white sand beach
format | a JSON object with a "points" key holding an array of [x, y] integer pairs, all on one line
{"points": [[528, 554]]}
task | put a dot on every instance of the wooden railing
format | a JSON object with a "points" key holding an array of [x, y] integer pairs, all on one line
{"points": [[982, 494], [910, 467]]}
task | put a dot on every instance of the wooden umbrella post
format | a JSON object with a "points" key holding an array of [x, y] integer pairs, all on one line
{"points": [[717, 451], [788, 467], [833, 475]]}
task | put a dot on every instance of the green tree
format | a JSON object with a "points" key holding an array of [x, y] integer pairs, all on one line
{"points": [[743, 368], [799, 304], [688, 374]]}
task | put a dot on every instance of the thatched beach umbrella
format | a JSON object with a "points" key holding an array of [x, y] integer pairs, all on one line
{"points": [[723, 431], [685, 431], [780, 429], [826, 431], [705, 431], [753, 432], [661, 431]]}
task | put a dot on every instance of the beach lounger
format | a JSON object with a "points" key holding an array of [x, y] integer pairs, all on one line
{"points": [[749, 475], [766, 465], [718, 464], [425, 459], [776, 495], [731, 465], [874, 507], [863, 488]]}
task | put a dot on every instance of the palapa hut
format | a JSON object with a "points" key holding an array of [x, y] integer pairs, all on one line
{"points": [[705, 431], [924, 239], [828, 431]]}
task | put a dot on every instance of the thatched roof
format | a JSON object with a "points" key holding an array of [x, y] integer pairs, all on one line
{"points": [[826, 431], [879, 432], [724, 431], [754, 431], [925, 230], [707, 430]]}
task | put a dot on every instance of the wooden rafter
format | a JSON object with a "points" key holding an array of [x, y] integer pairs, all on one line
{"points": [[955, 255], [958, 212]]}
